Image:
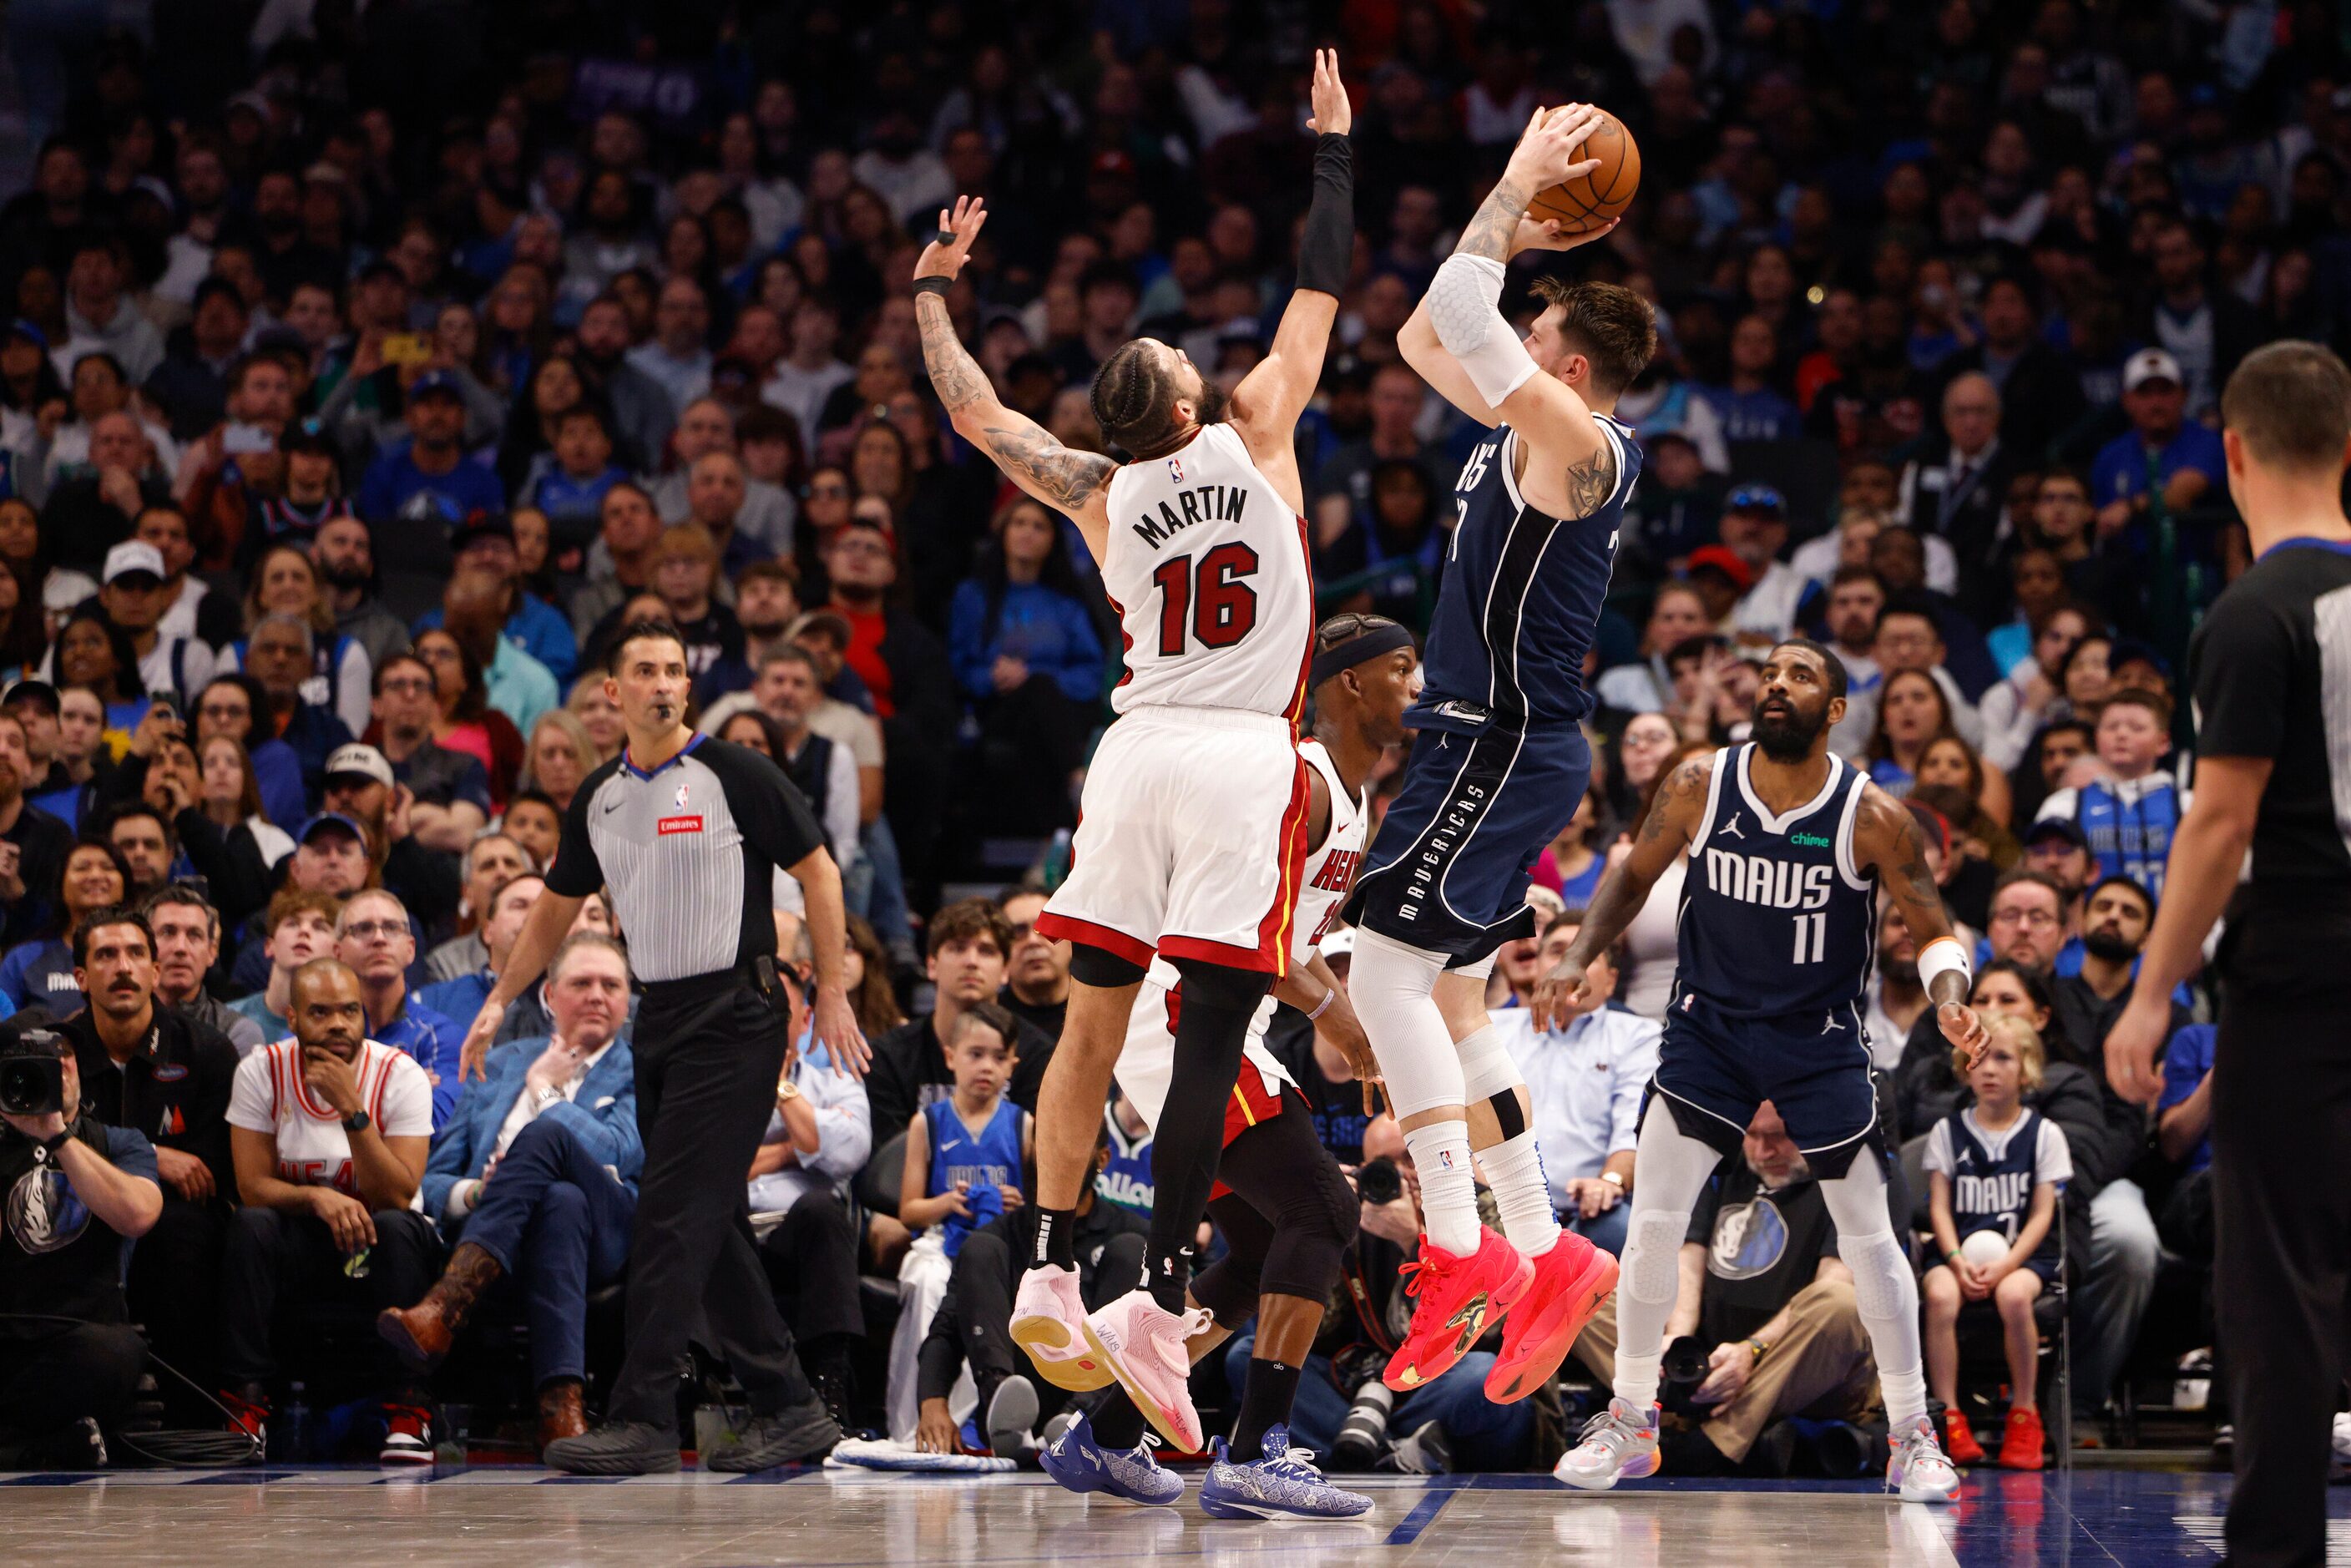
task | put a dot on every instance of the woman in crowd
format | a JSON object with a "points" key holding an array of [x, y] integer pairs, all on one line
{"points": [[2028, 695], [226, 708], [825, 505], [284, 582], [468, 722], [1912, 713], [23, 631], [96, 655], [40, 973], [1642, 748], [598, 714], [229, 796], [529, 443], [2087, 678], [865, 972], [560, 755], [53, 589], [1571, 866], [1025, 652]]}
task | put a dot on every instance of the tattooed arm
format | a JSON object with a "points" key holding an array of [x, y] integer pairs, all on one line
{"points": [[1667, 831], [1886, 838], [1074, 483]]}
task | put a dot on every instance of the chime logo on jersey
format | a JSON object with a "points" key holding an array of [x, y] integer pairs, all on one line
{"points": [[1768, 880]]}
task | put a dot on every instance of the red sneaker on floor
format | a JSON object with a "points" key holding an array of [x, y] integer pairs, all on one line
{"points": [[407, 1433], [1458, 1298], [248, 1415], [1960, 1445], [2020, 1445], [1570, 1283]]}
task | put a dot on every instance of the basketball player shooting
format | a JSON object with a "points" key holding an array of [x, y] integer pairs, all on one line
{"points": [[1788, 848], [1498, 765], [1193, 828]]}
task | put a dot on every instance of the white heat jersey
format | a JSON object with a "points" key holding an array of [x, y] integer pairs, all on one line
{"points": [[1207, 571], [268, 1095], [1147, 1060]]}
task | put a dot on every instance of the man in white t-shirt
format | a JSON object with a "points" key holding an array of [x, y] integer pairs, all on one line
{"points": [[328, 1130]]}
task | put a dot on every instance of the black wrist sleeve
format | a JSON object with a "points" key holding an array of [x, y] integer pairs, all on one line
{"points": [[1329, 243]]}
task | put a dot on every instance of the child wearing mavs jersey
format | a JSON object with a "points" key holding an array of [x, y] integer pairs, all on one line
{"points": [[963, 1158], [1994, 1169]]}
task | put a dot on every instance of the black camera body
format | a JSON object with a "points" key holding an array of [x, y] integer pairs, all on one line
{"points": [[32, 1073]]}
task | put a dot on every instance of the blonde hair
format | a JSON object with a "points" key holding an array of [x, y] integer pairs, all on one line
{"points": [[2031, 1056]]}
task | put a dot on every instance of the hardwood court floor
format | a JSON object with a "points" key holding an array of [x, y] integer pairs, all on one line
{"points": [[518, 1518]]}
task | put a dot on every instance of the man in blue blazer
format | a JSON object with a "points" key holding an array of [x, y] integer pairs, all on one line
{"points": [[535, 1175]]}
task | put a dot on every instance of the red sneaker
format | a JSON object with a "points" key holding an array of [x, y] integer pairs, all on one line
{"points": [[2020, 1445], [1458, 1298], [249, 1416], [407, 1433], [1960, 1445], [1570, 1283]]}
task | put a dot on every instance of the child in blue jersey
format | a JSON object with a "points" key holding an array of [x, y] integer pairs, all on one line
{"points": [[965, 1155], [1994, 1169], [2127, 807], [570, 491]]}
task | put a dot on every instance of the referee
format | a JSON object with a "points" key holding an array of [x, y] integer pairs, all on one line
{"points": [[2271, 670], [687, 832]]}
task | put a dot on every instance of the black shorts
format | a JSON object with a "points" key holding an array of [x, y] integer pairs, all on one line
{"points": [[1714, 1071]]}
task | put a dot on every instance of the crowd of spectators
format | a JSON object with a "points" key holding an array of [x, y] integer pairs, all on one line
{"points": [[366, 368]]}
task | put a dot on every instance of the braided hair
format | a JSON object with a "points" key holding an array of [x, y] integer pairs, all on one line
{"points": [[1135, 399]]}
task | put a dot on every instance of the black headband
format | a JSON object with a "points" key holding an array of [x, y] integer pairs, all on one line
{"points": [[1368, 644]]}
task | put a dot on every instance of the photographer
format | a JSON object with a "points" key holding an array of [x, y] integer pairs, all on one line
{"points": [[78, 1194], [1764, 1321], [150, 1069]]}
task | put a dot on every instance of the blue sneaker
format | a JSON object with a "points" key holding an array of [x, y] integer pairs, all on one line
{"points": [[1284, 1482], [1083, 1465]]}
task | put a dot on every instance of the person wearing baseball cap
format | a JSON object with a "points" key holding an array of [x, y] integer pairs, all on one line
{"points": [[485, 542], [134, 591], [2184, 455], [1721, 577], [311, 490], [1754, 528], [429, 478]]}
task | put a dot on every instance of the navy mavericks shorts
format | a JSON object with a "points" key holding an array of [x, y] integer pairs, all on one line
{"points": [[1449, 870], [1714, 1070]]}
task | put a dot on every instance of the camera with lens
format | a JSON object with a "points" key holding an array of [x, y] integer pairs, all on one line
{"points": [[1379, 1181], [1682, 1368], [32, 1072]]}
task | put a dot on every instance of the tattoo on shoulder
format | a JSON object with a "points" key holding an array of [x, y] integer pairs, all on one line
{"points": [[1904, 860], [1069, 477], [1591, 482], [1685, 784]]}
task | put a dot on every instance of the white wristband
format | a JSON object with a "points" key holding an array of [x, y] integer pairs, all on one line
{"points": [[1943, 956], [1324, 1006]]}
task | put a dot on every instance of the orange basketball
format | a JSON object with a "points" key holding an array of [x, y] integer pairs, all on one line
{"points": [[1589, 201]]}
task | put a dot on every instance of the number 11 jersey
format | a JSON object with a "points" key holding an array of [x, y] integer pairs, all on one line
{"points": [[1776, 920], [1207, 566]]}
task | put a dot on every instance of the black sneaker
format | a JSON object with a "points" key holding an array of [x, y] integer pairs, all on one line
{"points": [[616, 1448], [802, 1432]]}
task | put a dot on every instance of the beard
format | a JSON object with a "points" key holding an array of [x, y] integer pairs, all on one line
{"points": [[343, 574], [1788, 735], [1212, 402], [1901, 971], [2109, 946], [765, 629]]}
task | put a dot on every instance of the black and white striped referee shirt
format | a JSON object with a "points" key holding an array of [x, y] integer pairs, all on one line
{"points": [[689, 854]]}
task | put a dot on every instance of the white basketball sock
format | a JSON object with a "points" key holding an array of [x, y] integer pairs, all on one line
{"points": [[1514, 1170], [1449, 1192]]}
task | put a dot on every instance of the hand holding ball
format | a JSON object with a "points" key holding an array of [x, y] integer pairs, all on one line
{"points": [[1593, 200]]}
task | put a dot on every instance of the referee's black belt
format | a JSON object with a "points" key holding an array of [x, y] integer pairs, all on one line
{"points": [[759, 973]]}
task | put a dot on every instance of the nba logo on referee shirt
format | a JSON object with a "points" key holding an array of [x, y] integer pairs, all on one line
{"points": [[680, 823]]}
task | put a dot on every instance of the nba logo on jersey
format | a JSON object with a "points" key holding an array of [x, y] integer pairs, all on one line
{"points": [[680, 796]]}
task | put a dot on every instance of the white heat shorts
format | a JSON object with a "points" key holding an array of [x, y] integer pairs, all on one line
{"points": [[1191, 841]]}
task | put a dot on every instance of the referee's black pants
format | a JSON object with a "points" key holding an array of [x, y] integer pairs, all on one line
{"points": [[708, 1053], [2282, 1198]]}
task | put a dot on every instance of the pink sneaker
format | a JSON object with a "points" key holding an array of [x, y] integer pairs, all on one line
{"points": [[1048, 1321], [1144, 1345]]}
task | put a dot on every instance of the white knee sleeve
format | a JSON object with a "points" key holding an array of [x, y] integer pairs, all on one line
{"points": [[1487, 1067], [1883, 1290], [1390, 987], [1463, 306], [1653, 1254]]}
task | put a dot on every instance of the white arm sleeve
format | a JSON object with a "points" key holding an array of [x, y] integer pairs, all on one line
{"points": [[1463, 306]]}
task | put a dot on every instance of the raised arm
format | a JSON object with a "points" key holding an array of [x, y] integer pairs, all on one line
{"points": [[1075, 484], [1886, 838], [1267, 403], [1421, 349], [1566, 466], [1671, 824]]}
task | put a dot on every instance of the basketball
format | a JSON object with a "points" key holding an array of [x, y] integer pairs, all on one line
{"points": [[1983, 1248], [1588, 201]]}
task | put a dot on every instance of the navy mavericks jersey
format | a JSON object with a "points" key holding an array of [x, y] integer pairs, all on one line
{"points": [[1776, 920], [1519, 596]]}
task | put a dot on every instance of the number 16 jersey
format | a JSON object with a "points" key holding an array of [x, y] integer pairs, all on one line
{"points": [[1776, 920], [1207, 566]]}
